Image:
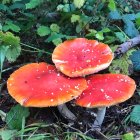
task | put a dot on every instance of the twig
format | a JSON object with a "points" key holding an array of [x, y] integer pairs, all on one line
{"points": [[127, 45], [35, 48]]}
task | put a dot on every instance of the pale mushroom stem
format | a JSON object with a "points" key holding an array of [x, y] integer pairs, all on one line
{"points": [[99, 119], [66, 113]]}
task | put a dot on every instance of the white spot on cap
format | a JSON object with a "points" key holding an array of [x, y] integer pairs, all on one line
{"points": [[77, 87], [108, 97], [88, 61], [52, 93], [37, 70], [43, 71], [102, 90], [51, 100], [116, 90], [60, 89]]}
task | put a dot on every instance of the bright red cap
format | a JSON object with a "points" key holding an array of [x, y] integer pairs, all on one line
{"points": [[106, 90], [80, 57], [41, 85]]}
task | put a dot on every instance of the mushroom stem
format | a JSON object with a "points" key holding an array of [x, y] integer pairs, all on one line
{"points": [[66, 113], [99, 119]]}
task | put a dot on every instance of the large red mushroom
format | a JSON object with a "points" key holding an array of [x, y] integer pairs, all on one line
{"points": [[41, 85], [105, 90], [80, 57]]}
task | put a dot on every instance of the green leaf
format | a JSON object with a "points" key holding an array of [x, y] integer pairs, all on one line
{"points": [[115, 15], [130, 28], [3, 7], [112, 5], [138, 21], [6, 1], [33, 4], [75, 18], [13, 43], [99, 35], [9, 25], [54, 36], [17, 6], [122, 38], [128, 136], [3, 51], [55, 28], [43, 30], [135, 114], [78, 3], [106, 30], [15, 115], [135, 58], [57, 41], [7, 134]]}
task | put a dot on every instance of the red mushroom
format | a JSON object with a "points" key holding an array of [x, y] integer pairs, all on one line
{"points": [[80, 57], [106, 90], [41, 85]]}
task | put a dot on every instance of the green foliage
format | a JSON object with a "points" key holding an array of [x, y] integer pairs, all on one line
{"points": [[55, 28], [43, 30], [122, 65], [7, 134], [112, 5], [78, 3], [75, 18], [12, 43], [33, 4], [128, 136], [3, 51], [15, 117], [9, 25], [134, 115], [135, 58]]}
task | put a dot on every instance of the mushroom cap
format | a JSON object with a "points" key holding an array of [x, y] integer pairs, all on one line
{"points": [[80, 57], [106, 90], [41, 85]]}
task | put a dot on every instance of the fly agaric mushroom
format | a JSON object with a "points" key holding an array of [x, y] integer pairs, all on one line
{"points": [[41, 85], [105, 90], [80, 57]]}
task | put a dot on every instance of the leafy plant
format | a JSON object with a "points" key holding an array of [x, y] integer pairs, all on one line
{"points": [[15, 117], [121, 65], [9, 48], [134, 115], [128, 136]]}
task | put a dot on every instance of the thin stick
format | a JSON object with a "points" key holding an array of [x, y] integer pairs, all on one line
{"points": [[127, 45]]}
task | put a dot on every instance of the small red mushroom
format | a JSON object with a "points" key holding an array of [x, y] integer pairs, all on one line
{"points": [[80, 57], [106, 90], [41, 85]]}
